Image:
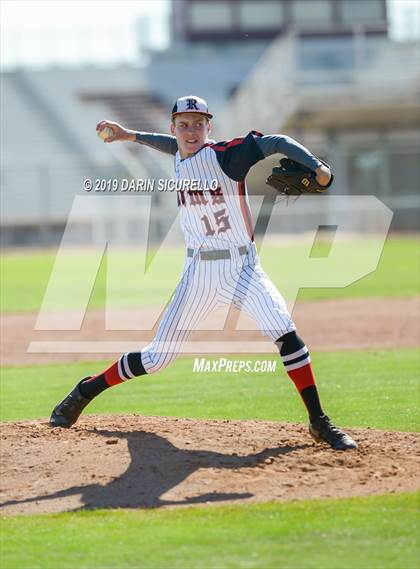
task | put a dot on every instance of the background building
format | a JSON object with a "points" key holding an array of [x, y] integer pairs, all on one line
{"points": [[322, 71]]}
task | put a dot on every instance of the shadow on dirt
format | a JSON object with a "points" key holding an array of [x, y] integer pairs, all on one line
{"points": [[156, 467]]}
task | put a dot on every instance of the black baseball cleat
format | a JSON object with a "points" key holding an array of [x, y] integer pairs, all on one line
{"points": [[322, 430], [66, 413]]}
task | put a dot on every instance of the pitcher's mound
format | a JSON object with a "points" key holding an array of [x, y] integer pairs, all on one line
{"points": [[146, 462]]}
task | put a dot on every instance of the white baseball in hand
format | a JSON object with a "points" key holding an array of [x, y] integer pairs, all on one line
{"points": [[106, 133]]}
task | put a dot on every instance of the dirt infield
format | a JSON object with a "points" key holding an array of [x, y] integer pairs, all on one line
{"points": [[150, 462], [325, 325]]}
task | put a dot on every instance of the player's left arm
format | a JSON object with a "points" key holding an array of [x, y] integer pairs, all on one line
{"points": [[237, 156], [282, 144]]}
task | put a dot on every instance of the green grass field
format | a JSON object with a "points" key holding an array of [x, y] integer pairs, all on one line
{"points": [[381, 393], [25, 275], [372, 388], [375, 532], [365, 533]]}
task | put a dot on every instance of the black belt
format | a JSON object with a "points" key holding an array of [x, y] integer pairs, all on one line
{"points": [[216, 254]]}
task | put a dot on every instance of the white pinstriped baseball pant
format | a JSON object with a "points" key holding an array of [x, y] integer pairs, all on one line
{"points": [[206, 285]]}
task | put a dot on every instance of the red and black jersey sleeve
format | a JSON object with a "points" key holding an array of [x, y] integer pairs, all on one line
{"points": [[238, 155]]}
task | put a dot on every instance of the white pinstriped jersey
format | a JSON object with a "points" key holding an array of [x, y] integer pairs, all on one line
{"points": [[218, 220], [221, 217]]}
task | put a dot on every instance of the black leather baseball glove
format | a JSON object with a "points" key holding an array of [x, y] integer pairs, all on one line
{"points": [[294, 179]]}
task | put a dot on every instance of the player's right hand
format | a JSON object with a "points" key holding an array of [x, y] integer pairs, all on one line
{"points": [[120, 133]]}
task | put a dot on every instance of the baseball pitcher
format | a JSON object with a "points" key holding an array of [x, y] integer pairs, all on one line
{"points": [[221, 262]]}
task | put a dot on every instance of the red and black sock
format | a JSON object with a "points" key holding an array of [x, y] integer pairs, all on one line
{"points": [[128, 366], [297, 362]]}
